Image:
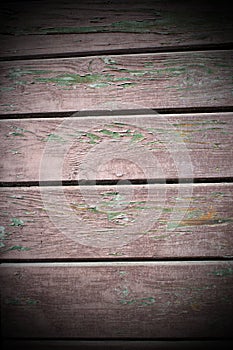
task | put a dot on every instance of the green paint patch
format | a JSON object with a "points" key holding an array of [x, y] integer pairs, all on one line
{"points": [[217, 194], [172, 225], [113, 134], [114, 198], [223, 272], [94, 210], [118, 217], [16, 133], [108, 60], [137, 137], [148, 64], [160, 237], [140, 205], [13, 301], [16, 222], [19, 132], [21, 301], [109, 194], [31, 301], [121, 26], [16, 73], [92, 138], [125, 292], [74, 79], [54, 138], [15, 151], [130, 26], [16, 196], [140, 301], [122, 273], [133, 26], [18, 247], [70, 30], [99, 85], [7, 88], [167, 210], [3, 236], [128, 302], [116, 254], [2, 231]]}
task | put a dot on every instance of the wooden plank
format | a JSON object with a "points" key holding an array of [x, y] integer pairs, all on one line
{"points": [[116, 344], [169, 80], [104, 222], [117, 148], [49, 28], [132, 300]]}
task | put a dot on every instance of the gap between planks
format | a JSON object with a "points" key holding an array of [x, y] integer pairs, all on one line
{"points": [[138, 182], [118, 263], [116, 52], [120, 112]]}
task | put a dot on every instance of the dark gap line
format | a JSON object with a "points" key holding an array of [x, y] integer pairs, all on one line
{"points": [[94, 339], [124, 182], [120, 112], [125, 51], [118, 259]]}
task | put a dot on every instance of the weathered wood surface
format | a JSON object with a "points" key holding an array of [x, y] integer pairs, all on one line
{"points": [[117, 344], [105, 222], [116, 148], [169, 80], [99, 300], [43, 29]]}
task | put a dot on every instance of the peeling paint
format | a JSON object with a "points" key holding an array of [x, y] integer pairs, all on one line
{"points": [[223, 272], [21, 301]]}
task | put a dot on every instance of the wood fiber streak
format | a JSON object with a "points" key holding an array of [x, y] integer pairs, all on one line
{"points": [[146, 300], [102, 222], [80, 27], [117, 148], [169, 80]]}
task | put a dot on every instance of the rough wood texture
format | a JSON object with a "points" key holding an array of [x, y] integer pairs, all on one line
{"points": [[116, 344], [156, 221], [137, 300], [70, 27], [169, 80], [117, 148]]}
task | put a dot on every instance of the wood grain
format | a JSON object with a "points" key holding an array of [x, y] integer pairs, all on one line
{"points": [[63, 276], [106, 222], [116, 344], [132, 300], [49, 28], [117, 148], [169, 80]]}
